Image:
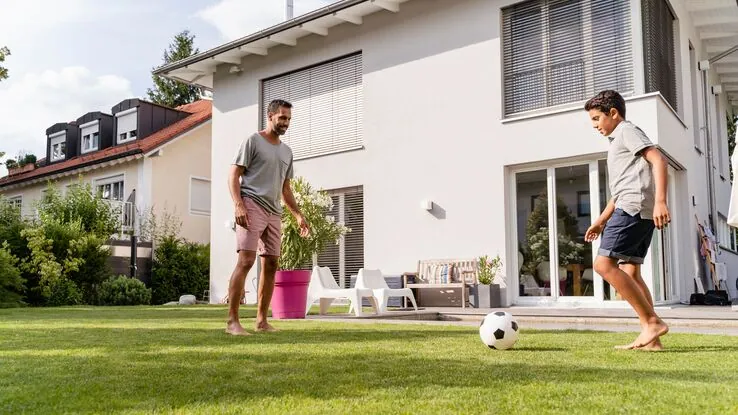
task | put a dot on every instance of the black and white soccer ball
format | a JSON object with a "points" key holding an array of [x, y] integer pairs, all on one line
{"points": [[499, 330]]}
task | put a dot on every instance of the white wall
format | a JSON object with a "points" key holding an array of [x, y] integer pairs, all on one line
{"points": [[432, 130]]}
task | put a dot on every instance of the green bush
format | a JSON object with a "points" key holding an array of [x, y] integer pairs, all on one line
{"points": [[95, 215], [179, 268], [122, 290], [11, 283]]}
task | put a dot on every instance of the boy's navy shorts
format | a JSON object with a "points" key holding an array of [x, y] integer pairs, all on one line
{"points": [[626, 238]]}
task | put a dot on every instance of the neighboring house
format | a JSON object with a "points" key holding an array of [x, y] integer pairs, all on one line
{"points": [[142, 154], [476, 106]]}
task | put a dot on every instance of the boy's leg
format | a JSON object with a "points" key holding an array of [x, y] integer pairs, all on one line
{"points": [[634, 270], [653, 326], [269, 249]]}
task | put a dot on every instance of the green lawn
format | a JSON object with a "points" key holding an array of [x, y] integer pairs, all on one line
{"points": [[178, 360]]}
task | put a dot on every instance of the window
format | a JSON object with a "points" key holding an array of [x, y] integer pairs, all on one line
{"points": [[58, 145], [552, 55], [90, 136], [16, 202], [659, 49], [695, 99], [127, 122], [111, 188], [327, 106], [199, 196], [727, 235], [346, 258]]}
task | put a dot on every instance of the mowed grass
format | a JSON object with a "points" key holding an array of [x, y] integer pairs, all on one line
{"points": [[178, 360]]}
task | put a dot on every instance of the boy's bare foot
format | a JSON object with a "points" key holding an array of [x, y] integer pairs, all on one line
{"points": [[265, 327], [652, 331], [235, 328], [654, 346]]}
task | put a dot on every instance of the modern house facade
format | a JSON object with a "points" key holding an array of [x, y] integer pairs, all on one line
{"points": [[141, 156], [455, 128]]}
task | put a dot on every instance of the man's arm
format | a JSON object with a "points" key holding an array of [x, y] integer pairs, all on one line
{"points": [[234, 186], [289, 198]]}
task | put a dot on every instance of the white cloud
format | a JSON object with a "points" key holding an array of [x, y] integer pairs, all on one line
{"points": [[31, 104], [237, 18]]}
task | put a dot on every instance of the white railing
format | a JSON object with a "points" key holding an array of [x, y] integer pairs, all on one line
{"points": [[125, 212]]}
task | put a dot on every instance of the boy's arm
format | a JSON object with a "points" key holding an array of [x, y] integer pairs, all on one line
{"points": [[659, 164], [606, 214]]}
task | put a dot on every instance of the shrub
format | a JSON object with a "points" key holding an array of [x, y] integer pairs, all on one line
{"points": [[95, 215], [11, 226], [122, 290], [11, 283], [179, 268]]}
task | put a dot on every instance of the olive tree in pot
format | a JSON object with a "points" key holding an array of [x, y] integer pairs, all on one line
{"points": [[295, 262], [487, 293]]}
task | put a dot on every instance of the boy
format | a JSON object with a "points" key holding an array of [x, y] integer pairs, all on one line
{"points": [[637, 174]]}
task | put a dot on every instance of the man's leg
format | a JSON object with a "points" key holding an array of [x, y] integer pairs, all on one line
{"points": [[235, 290], [634, 270], [266, 289], [653, 326]]}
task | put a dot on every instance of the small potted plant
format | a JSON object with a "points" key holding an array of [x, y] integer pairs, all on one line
{"points": [[487, 292], [296, 259]]}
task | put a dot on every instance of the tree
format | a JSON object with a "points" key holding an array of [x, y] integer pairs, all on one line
{"points": [[732, 120], [4, 51], [174, 93]]}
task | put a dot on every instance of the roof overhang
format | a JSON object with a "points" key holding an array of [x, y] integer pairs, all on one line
{"points": [[716, 21], [199, 69]]}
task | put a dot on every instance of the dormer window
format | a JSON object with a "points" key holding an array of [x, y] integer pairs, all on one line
{"points": [[90, 136], [58, 143], [127, 125]]}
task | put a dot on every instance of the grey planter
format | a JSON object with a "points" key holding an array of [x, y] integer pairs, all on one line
{"points": [[485, 296]]}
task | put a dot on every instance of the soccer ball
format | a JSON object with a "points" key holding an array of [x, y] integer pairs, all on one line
{"points": [[499, 330]]}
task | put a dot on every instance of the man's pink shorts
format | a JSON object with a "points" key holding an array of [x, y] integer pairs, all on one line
{"points": [[264, 230]]}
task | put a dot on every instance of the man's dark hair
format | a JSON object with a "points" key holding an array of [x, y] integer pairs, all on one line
{"points": [[605, 101], [276, 104]]}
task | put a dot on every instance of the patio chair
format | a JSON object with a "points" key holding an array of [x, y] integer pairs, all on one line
{"points": [[374, 280], [323, 288]]}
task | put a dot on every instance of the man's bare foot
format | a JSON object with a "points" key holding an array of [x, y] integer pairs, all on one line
{"points": [[265, 327], [630, 346], [235, 328], [651, 332]]}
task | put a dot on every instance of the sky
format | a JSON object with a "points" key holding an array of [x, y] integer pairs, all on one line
{"points": [[75, 56]]}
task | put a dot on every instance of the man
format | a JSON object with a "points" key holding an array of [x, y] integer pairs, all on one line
{"points": [[261, 172]]}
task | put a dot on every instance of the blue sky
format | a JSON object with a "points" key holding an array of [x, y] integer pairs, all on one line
{"points": [[74, 56]]}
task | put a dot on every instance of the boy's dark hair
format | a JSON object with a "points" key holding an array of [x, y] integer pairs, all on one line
{"points": [[605, 101], [276, 104]]}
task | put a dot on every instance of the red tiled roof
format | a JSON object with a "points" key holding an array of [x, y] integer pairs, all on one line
{"points": [[200, 111]]}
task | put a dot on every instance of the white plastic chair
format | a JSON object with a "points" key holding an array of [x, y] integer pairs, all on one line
{"points": [[323, 287], [374, 280]]}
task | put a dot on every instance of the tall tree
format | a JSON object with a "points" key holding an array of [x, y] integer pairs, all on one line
{"points": [[174, 93], [4, 51]]}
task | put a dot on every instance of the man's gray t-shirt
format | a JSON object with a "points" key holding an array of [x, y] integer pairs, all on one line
{"points": [[631, 179], [267, 166]]}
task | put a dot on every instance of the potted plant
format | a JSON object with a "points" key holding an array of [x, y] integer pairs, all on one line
{"points": [[487, 293], [296, 258]]}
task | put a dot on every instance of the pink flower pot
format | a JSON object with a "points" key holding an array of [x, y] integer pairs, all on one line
{"points": [[290, 294]]}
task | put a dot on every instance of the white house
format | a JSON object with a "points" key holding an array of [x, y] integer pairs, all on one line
{"points": [[477, 107]]}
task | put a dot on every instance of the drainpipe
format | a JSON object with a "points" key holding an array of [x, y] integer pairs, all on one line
{"points": [[289, 10], [704, 66]]}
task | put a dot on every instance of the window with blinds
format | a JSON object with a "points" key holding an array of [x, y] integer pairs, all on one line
{"points": [[199, 196], [563, 51], [327, 106], [346, 258], [659, 49]]}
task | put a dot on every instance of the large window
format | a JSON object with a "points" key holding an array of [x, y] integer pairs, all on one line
{"points": [[564, 51], [127, 122], [658, 49], [16, 202], [347, 257], [327, 106], [90, 136]]}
